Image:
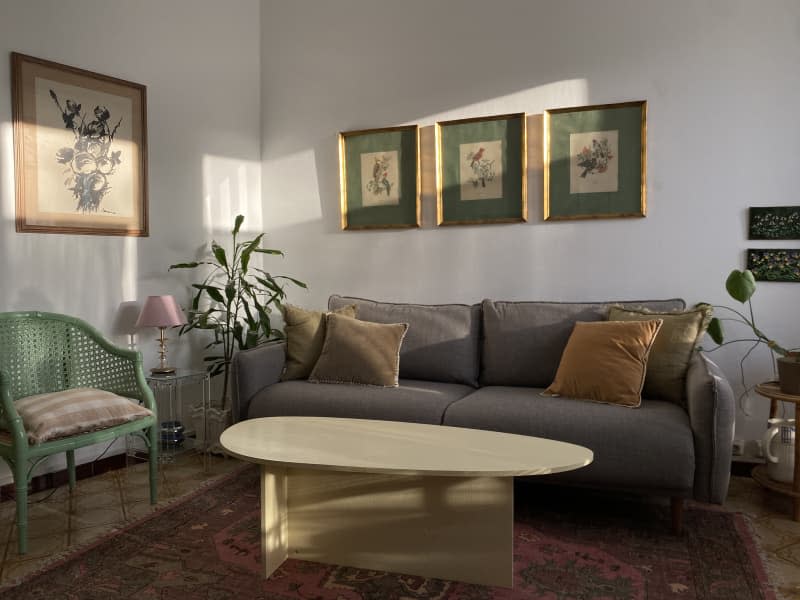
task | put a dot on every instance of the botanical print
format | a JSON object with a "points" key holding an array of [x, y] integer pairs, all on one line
{"points": [[85, 153], [594, 162], [380, 179], [775, 222], [481, 170], [774, 265], [89, 162]]}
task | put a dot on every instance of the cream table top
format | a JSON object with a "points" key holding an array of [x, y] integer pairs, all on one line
{"points": [[360, 445]]}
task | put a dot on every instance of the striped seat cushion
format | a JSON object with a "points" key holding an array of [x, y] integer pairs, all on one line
{"points": [[61, 414]]}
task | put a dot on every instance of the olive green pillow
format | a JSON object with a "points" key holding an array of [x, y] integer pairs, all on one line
{"points": [[669, 359], [359, 352], [605, 361], [305, 334]]}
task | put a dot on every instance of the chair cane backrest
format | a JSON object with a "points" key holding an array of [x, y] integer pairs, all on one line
{"points": [[47, 352]]}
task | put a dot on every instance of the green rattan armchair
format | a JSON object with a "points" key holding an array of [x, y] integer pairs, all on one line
{"points": [[45, 352]]}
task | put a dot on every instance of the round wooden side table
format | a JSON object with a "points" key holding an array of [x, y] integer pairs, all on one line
{"points": [[771, 390]]}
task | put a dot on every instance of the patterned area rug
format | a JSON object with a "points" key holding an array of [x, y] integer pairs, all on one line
{"points": [[569, 545]]}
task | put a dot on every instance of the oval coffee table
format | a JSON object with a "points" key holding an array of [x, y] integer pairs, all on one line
{"points": [[424, 500]]}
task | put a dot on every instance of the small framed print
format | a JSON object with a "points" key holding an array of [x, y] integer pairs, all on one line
{"points": [[768, 264], [481, 170], [379, 178], [774, 223], [595, 161], [80, 150]]}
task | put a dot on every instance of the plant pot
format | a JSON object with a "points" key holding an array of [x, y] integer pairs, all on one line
{"points": [[789, 374]]}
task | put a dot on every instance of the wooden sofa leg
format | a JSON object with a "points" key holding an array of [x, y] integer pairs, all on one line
{"points": [[676, 504]]}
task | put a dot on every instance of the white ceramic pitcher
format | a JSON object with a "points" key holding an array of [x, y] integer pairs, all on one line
{"points": [[778, 446]]}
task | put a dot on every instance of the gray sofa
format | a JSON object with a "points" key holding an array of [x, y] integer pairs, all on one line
{"points": [[483, 366]]}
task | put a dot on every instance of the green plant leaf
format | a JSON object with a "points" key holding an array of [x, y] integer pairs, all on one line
{"points": [[219, 254], [212, 291], [293, 280], [238, 224], [269, 251], [716, 331], [741, 285], [230, 291], [187, 265], [253, 245]]}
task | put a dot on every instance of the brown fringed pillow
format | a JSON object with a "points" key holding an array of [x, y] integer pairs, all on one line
{"points": [[359, 352], [606, 361], [305, 335]]}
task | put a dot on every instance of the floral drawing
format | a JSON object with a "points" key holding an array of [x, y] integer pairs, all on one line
{"points": [[89, 162], [482, 168], [775, 223], [774, 265], [380, 176], [595, 159]]}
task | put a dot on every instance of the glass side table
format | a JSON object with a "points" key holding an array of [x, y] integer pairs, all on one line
{"points": [[183, 424]]}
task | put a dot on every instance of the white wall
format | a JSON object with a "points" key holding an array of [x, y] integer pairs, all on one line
{"points": [[722, 85], [200, 63]]}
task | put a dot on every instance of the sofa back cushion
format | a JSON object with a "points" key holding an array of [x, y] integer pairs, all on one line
{"points": [[442, 342], [523, 341]]}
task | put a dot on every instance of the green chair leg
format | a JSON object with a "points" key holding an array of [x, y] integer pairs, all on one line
{"points": [[152, 433], [71, 468], [21, 488]]}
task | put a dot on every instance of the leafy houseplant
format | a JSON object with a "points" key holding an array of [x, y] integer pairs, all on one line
{"points": [[234, 302], [741, 286]]}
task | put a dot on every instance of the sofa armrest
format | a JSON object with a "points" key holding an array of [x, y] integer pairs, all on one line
{"points": [[253, 370], [712, 412]]}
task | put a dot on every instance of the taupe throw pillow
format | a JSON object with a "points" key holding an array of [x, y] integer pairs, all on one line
{"points": [[672, 349], [359, 352], [605, 361], [305, 334]]}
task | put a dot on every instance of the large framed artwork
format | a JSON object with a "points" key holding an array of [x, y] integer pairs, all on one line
{"points": [[595, 161], [379, 178], [774, 223], [80, 150], [481, 168]]}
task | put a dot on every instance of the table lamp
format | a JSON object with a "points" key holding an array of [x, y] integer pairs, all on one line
{"points": [[161, 312]]}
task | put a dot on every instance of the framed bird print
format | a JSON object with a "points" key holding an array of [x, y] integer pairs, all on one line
{"points": [[595, 161], [379, 178], [481, 170]]}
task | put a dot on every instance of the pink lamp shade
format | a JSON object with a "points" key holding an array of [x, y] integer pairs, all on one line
{"points": [[161, 311]]}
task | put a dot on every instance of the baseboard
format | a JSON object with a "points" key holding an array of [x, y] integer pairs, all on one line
{"points": [[56, 479]]}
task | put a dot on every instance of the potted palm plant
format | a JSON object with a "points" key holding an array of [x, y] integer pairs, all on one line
{"points": [[233, 302], [741, 285]]}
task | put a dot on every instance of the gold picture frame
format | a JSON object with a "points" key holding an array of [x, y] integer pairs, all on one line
{"points": [[468, 188], [595, 161], [379, 176], [80, 150]]}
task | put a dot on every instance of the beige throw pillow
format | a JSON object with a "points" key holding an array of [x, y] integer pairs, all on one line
{"points": [[606, 361], [359, 352], [672, 350], [79, 410], [305, 334]]}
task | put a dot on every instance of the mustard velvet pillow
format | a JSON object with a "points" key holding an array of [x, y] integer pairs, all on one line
{"points": [[606, 361], [359, 352], [672, 350], [305, 335]]}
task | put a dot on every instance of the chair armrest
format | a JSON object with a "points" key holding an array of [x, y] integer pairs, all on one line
{"points": [[253, 370], [712, 413]]}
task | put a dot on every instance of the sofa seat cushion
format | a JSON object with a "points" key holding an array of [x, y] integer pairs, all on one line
{"points": [[442, 342], [412, 401], [651, 447], [523, 341]]}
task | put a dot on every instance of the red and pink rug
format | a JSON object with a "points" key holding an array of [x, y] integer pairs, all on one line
{"points": [[569, 545]]}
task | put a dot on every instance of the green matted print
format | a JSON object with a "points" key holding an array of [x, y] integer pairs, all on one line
{"points": [[379, 178], [774, 264], [595, 161], [775, 223], [481, 170]]}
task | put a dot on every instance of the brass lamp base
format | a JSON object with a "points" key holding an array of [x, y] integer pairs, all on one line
{"points": [[162, 370]]}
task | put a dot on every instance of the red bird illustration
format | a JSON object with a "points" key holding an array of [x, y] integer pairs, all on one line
{"points": [[476, 157]]}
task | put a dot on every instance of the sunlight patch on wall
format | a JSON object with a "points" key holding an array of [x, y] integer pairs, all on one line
{"points": [[7, 170], [294, 200], [231, 187]]}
